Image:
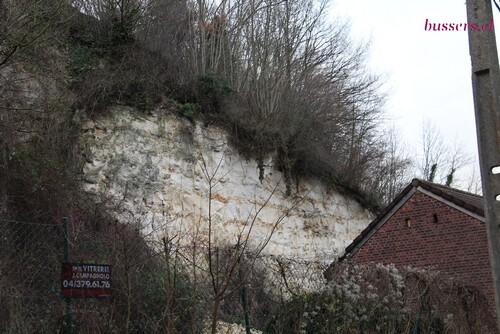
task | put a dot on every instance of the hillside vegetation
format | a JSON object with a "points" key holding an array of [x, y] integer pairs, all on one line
{"points": [[280, 76]]}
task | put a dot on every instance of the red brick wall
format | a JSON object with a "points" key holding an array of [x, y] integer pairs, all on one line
{"points": [[455, 244]]}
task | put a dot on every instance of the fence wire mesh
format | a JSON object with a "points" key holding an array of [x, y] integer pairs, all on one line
{"points": [[160, 281], [30, 257], [144, 284]]}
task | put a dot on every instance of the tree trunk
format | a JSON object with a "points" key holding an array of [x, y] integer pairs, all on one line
{"points": [[215, 314]]}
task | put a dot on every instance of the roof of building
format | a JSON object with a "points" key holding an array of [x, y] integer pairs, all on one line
{"points": [[468, 201]]}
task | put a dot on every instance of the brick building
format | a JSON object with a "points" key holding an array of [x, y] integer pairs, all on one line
{"points": [[430, 226]]}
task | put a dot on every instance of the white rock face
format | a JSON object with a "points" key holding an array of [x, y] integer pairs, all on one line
{"points": [[156, 169]]}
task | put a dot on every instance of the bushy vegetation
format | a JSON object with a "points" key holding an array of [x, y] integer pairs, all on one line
{"points": [[384, 299], [149, 294], [158, 290], [277, 75]]}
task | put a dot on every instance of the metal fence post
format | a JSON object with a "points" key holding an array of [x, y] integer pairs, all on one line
{"points": [[69, 316]]}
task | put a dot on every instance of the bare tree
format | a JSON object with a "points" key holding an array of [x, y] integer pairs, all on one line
{"points": [[228, 262], [125, 12], [26, 27], [393, 171], [32, 106], [439, 162], [301, 85], [473, 184]]}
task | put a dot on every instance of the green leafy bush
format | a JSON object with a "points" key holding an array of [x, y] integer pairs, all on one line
{"points": [[211, 91], [81, 60], [188, 110]]}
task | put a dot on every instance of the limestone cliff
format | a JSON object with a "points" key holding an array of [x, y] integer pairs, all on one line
{"points": [[155, 170]]}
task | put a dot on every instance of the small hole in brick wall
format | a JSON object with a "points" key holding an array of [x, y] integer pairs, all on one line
{"points": [[435, 218], [495, 170], [408, 224]]}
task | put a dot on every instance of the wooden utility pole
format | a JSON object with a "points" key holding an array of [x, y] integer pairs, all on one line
{"points": [[486, 89]]}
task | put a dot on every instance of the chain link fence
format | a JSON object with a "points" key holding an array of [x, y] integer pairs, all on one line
{"points": [[160, 283], [149, 294], [30, 257]]}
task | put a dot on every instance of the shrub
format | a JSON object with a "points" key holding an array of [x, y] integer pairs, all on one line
{"points": [[383, 299], [211, 91], [188, 110]]}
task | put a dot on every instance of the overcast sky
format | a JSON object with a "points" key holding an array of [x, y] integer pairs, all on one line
{"points": [[428, 73]]}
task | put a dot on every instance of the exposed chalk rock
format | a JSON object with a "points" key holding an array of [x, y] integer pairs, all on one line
{"points": [[166, 162]]}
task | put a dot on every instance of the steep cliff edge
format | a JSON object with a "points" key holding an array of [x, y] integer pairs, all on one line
{"points": [[155, 170]]}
